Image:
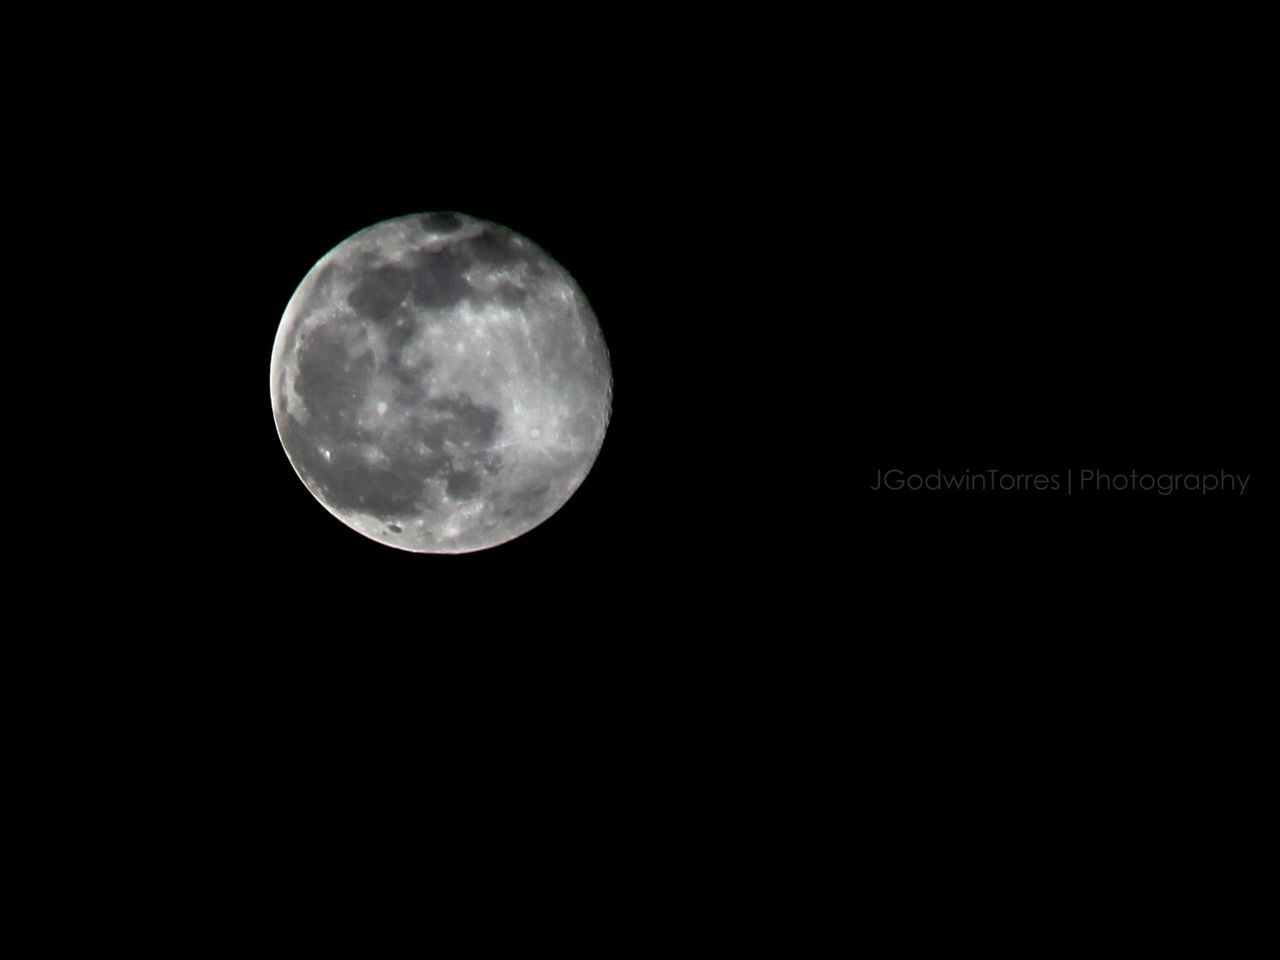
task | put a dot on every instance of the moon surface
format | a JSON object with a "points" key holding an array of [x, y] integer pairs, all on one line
{"points": [[440, 384]]}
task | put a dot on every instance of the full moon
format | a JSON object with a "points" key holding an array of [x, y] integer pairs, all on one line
{"points": [[440, 384]]}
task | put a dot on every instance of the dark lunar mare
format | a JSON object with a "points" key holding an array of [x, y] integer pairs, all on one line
{"points": [[446, 222], [438, 280], [526, 502], [380, 291]]}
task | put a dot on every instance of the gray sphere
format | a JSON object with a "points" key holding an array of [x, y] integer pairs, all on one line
{"points": [[440, 384]]}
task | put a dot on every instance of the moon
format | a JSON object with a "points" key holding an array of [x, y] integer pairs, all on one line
{"points": [[440, 384]]}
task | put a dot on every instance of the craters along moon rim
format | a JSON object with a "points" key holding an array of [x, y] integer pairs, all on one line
{"points": [[440, 384]]}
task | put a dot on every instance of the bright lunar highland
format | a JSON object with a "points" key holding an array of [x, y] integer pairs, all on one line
{"points": [[440, 384]]}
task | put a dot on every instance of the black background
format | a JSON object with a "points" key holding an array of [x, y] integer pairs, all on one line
{"points": [[806, 272], [815, 254], [802, 282]]}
